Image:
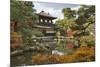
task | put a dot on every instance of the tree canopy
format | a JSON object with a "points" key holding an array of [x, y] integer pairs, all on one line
{"points": [[22, 11], [79, 19], [68, 13], [24, 14]]}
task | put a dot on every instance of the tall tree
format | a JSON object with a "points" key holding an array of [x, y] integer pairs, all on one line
{"points": [[23, 13], [86, 17], [64, 24], [68, 21], [81, 21], [68, 13]]}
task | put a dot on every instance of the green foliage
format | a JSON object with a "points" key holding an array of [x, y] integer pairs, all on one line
{"points": [[85, 19], [91, 28], [81, 21], [64, 24], [86, 16], [68, 13], [86, 11], [87, 40], [22, 11], [24, 14], [37, 32]]}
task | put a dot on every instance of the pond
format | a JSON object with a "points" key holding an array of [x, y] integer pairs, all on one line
{"points": [[44, 45]]}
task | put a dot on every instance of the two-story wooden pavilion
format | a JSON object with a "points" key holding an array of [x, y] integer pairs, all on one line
{"points": [[45, 23]]}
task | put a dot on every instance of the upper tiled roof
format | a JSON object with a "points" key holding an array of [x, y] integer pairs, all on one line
{"points": [[42, 13]]}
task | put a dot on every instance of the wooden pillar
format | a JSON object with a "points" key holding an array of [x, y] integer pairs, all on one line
{"points": [[51, 21], [48, 21], [43, 20], [39, 20]]}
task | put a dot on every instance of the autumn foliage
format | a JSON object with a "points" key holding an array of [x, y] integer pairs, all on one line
{"points": [[16, 40], [82, 54]]}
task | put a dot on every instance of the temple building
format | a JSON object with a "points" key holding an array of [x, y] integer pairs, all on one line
{"points": [[45, 23]]}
